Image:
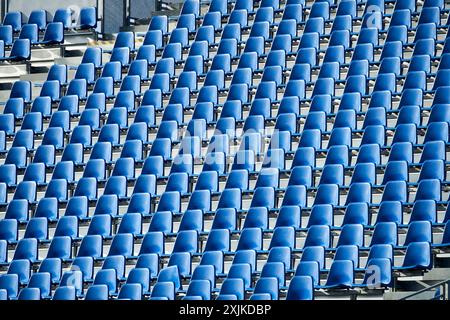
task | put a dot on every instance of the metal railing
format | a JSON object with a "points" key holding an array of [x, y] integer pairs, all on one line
{"points": [[441, 292]]}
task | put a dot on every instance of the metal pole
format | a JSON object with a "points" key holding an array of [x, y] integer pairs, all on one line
{"points": [[3, 8], [124, 22]]}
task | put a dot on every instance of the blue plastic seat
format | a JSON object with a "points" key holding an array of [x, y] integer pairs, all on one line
{"points": [[15, 106], [257, 217], [65, 293], [433, 150], [283, 237], [210, 264], [199, 288], [54, 34], [153, 242], [356, 213], [10, 283], [418, 256], [13, 19], [94, 55], [192, 220], [63, 16], [240, 271], [88, 18], [342, 22], [250, 239], [186, 241], [225, 218], [436, 131], [9, 230], [233, 287], [186, 21], [131, 223], [310, 269], [332, 174], [396, 171], [162, 222], [432, 169], [140, 203], [373, 19], [17, 209], [429, 189], [76, 206], [74, 278], [170, 274], [108, 278], [6, 34], [238, 16], [419, 231], [424, 210], [301, 288], [395, 191], [155, 38], [163, 291], [191, 6], [321, 214], [140, 275], [51, 266], [124, 167], [341, 274], [26, 249], [130, 292], [37, 228], [390, 211], [401, 17], [122, 244], [385, 268], [22, 268], [26, 190], [97, 292], [327, 194], [30, 32], [401, 151], [408, 116], [100, 225], [351, 234], [315, 24], [29, 294], [318, 235], [60, 247], [158, 23], [219, 238], [347, 252]]}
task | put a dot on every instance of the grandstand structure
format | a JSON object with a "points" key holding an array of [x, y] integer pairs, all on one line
{"points": [[262, 150]]}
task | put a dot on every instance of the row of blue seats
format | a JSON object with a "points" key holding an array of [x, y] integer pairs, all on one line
{"points": [[15, 20], [423, 214], [303, 171], [340, 275], [28, 34], [251, 238], [314, 131], [123, 173], [154, 263], [279, 260], [300, 289]]}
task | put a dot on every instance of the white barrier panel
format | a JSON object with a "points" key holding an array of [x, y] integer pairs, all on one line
{"points": [[141, 9]]}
